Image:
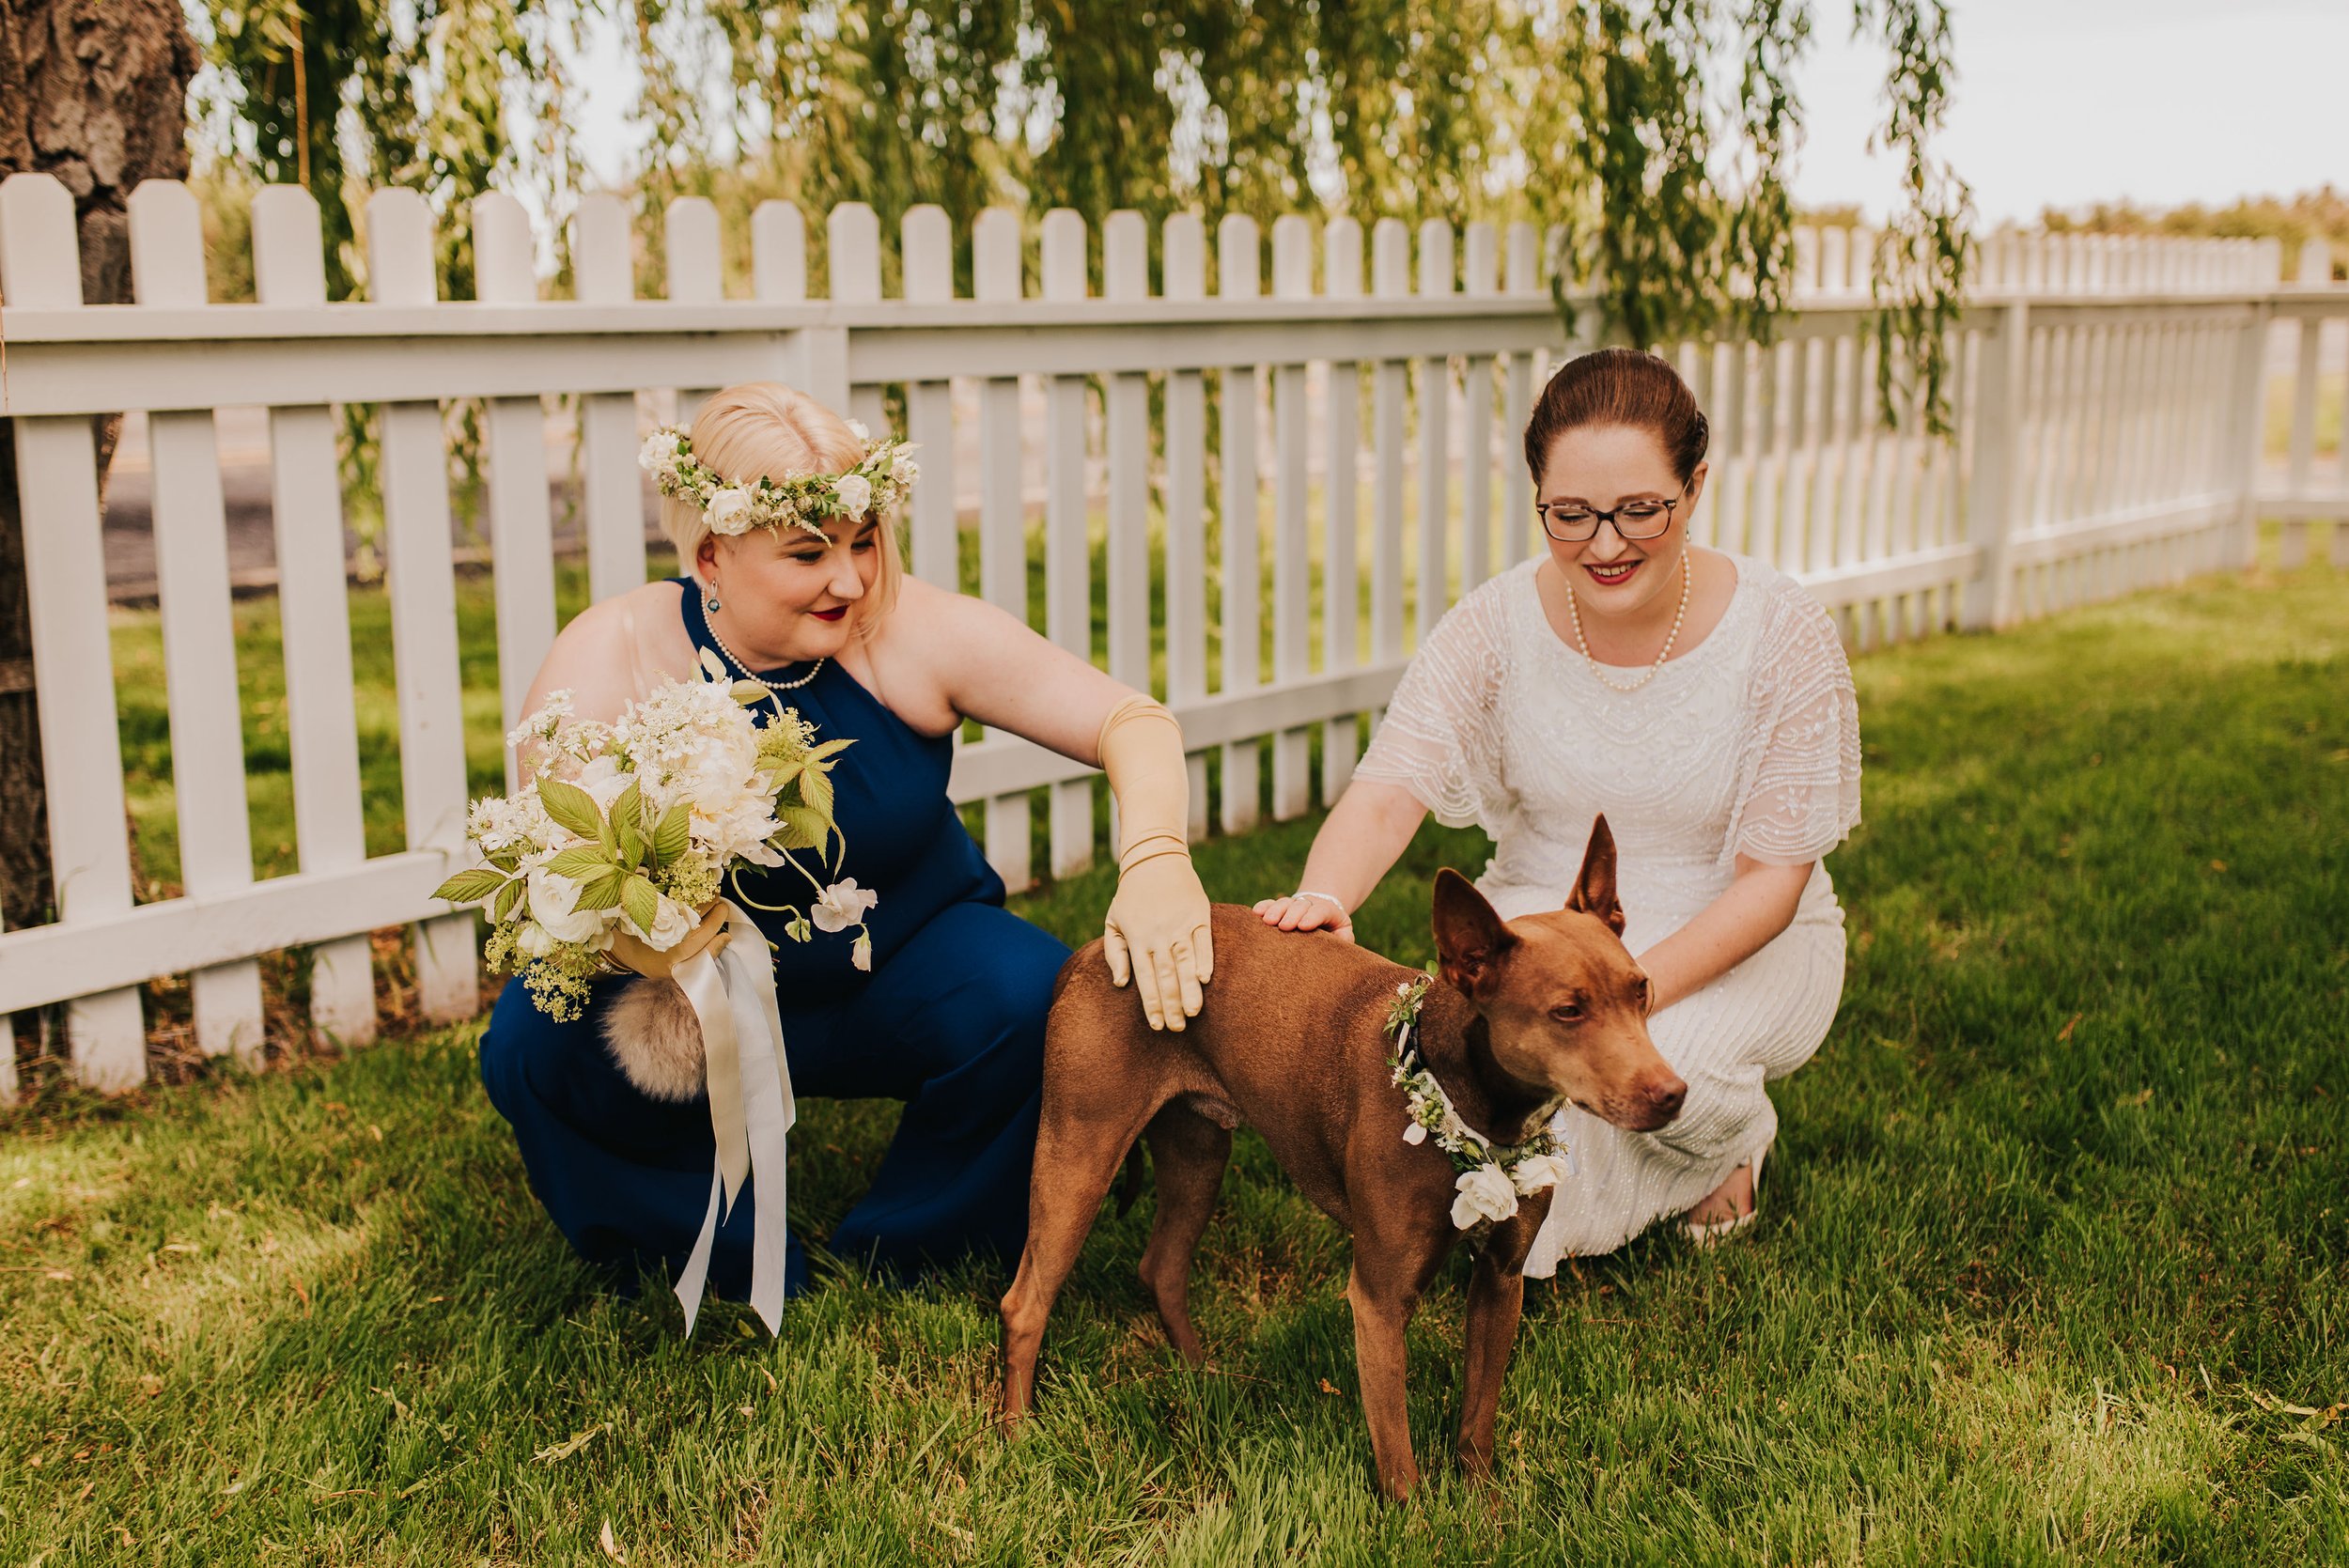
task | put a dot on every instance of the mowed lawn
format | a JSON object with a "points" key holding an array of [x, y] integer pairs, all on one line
{"points": [[2051, 1268]]}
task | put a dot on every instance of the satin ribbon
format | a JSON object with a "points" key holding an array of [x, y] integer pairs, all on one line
{"points": [[751, 1109]]}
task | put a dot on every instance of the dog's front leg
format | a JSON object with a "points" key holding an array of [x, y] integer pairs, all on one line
{"points": [[1381, 1315], [1496, 1300]]}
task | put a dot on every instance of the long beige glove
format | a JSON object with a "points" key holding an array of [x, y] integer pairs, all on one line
{"points": [[1158, 932], [712, 935]]}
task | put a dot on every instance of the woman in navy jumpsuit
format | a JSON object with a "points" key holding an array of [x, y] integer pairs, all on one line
{"points": [[950, 1018]]}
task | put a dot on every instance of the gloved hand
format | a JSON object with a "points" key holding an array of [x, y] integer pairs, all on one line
{"points": [[1157, 934], [710, 935]]}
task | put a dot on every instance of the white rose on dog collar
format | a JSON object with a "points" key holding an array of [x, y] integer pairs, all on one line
{"points": [[1491, 1175]]}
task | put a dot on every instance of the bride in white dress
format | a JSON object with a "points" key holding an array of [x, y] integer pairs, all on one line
{"points": [[1701, 701]]}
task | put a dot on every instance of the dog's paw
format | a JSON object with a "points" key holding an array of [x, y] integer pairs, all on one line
{"points": [[651, 1031]]}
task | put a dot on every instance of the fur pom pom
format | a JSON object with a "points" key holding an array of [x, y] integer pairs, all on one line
{"points": [[652, 1034]]}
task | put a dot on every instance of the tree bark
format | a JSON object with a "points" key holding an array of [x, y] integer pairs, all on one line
{"points": [[95, 93]]}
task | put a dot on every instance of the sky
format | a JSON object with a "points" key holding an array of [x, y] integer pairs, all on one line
{"points": [[2058, 104], [2064, 102]]}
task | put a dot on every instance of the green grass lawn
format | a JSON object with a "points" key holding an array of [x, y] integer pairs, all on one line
{"points": [[2050, 1268]]}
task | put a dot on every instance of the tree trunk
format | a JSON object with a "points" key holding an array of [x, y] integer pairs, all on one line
{"points": [[95, 93]]}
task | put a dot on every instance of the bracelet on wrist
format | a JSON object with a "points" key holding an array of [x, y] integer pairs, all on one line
{"points": [[1344, 914]]}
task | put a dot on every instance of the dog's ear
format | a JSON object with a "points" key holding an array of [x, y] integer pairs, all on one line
{"points": [[1471, 937], [1594, 887]]}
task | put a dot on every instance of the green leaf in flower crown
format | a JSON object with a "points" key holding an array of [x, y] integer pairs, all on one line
{"points": [[673, 834], [585, 862], [509, 898], [640, 903], [603, 893], [471, 886], [571, 807]]}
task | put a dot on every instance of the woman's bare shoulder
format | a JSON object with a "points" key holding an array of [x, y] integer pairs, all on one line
{"points": [[614, 647]]}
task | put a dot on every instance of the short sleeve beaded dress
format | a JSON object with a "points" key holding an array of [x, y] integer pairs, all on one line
{"points": [[1747, 743]]}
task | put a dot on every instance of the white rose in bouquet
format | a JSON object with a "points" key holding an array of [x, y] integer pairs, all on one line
{"points": [[604, 779], [671, 925], [1484, 1193], [554, 905]]}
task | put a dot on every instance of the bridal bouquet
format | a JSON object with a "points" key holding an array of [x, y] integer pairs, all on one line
{"points": [[624, 837]]}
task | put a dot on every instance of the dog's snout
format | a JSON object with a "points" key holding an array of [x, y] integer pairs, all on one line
{"points": [[1666, 1097]]}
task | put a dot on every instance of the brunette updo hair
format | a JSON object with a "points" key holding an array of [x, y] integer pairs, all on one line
{"points": [[1624, 387]]}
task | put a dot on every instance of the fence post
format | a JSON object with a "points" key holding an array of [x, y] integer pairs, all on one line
{"points": [[610, 488], [1238, 275], [1993, 500], [65, 570], [2316, 269], [314, 619], [191, 524], [996, 278], [852, 247], [1067, 556], [2239, 544], [926, 249]]}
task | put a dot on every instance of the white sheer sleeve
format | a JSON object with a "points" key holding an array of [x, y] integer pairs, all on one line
{"points": [[1441, 737], [1798, 771]]}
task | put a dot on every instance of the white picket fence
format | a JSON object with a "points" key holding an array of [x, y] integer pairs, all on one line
{"points": [[2110, 398]]}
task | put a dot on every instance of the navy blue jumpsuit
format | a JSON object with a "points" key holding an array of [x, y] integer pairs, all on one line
{"points": [[950, 1020]]}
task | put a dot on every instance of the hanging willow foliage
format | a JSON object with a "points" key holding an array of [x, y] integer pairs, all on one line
{"points": [[1652, 137]]}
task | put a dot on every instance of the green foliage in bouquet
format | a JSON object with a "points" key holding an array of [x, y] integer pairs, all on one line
{"points": [[563, 874]]}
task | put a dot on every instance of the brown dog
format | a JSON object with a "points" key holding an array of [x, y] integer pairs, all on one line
{"points": [[1536, 1011]]}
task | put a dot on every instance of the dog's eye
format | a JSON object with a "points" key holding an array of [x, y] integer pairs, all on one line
{"points": [[1570, 1012]]}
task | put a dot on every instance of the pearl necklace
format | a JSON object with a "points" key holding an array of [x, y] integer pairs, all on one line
{"points": [[1575, 614], [742, 664]]}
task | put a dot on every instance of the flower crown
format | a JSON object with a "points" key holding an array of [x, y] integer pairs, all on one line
{"points": [[878, 482]]}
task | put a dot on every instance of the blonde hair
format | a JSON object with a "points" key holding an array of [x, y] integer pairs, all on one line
{"points": [[767, 427]]}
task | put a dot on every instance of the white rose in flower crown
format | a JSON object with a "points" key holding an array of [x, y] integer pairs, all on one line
{"points": [[554, 904], [855, 493], [1485, 1193], [729, 511], [856, 429], [658, 455], [842, 904], [1536, 1172]]}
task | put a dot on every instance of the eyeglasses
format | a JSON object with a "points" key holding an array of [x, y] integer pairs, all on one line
{"points": [[1572, 524]]}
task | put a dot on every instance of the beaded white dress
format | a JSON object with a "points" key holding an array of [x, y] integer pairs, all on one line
{"points": [[1748, 743]]}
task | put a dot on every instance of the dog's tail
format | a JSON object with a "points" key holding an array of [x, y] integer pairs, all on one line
{"points": [[1129, 1187]]}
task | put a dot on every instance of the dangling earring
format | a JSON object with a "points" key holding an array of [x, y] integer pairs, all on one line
{"points": [[711, 602]]}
